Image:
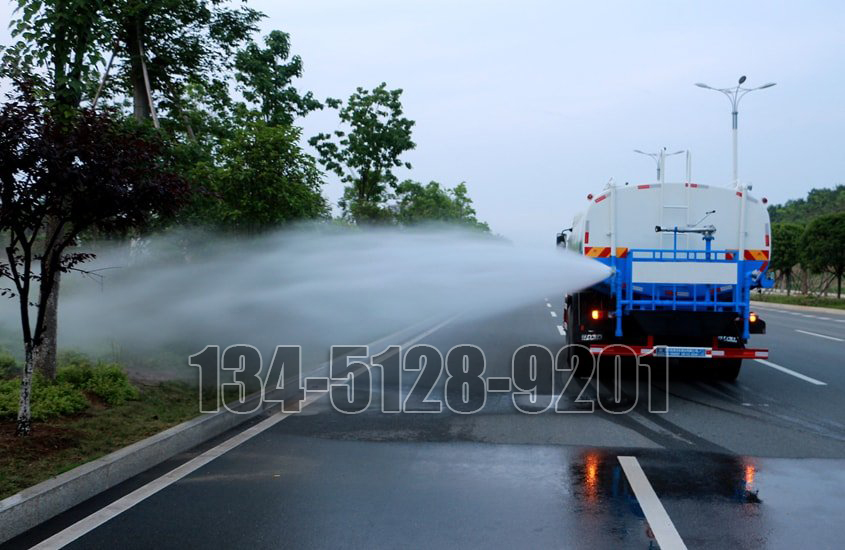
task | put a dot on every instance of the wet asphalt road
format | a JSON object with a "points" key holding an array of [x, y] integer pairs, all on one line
{"points": [[753, 464]]}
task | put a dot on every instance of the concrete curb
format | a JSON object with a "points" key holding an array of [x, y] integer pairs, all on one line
{"points": [[791, 307], [37, 504]]}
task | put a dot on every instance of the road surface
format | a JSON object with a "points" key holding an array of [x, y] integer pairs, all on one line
{"points": [[759, 463]]}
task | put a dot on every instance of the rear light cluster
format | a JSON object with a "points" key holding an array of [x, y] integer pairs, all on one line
{"points": [[596, 314]]}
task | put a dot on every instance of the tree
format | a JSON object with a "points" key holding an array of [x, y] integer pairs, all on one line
{"points": [[184, 44], [823, 249], [364, 156], [420, 203], [90, 172], [266, 80], [786, 249], [264, 179], [62, 37], [818, 203]]}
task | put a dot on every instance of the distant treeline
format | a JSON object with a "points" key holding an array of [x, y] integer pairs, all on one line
{"points": [[818, 203], [809, 241]]}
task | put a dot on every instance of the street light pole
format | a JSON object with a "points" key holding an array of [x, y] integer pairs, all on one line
{"points": [[734, 95], [660, 158]]}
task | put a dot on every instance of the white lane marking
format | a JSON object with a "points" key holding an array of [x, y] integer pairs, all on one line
{"points": [[101, 516], [820, 335], [548, 304], [553, 314], [661, 525], [791, 372], [560, 330]]}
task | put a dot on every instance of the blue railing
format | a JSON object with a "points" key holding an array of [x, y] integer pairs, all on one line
{"points": [[632, 295]]}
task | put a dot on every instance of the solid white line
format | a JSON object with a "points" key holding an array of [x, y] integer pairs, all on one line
{"points": [[661, 525], [80, 528], [101, 516], [553, 314], [560, 330], [820, 335], [791, 372]]}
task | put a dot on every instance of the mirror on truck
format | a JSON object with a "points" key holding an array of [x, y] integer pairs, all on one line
{"points": [[561, 237]]}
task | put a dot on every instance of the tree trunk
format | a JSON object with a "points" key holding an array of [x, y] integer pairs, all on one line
{"points": [[141, 102], [839, 285], [24, 426], [788, 282], [44, 357]]}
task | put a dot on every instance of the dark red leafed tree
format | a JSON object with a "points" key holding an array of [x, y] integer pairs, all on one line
{"points": [[93, 171]]}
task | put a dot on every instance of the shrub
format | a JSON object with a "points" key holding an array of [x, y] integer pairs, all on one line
{"points": [[9, 367], [110, 383], [77, 375], [48, 399]]}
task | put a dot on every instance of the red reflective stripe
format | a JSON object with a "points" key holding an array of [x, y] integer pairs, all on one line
{"points": [[586, 237], [643, 186], [738, 193], [711, 353], [598, 200], [767, 239]]}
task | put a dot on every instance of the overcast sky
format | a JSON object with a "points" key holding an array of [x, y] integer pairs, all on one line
{"points": [[535, 104]]}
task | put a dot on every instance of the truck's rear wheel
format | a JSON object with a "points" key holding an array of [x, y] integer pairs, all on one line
{"points": [[727, 369]]}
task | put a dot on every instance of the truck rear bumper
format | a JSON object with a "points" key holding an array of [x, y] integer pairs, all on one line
{"points": [[679, 352]]}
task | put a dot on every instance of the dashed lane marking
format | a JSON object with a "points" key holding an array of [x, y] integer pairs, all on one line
{"points": [[791, 372], [820, 335]]}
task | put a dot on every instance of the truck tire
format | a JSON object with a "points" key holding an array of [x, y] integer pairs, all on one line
{"points": [[728, 369]]}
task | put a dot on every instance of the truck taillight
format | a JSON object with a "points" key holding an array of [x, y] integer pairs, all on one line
{"points": [[752, 317], [596, 314]]}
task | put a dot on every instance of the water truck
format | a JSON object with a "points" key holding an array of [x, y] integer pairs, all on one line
{"points": [[684, 258]]}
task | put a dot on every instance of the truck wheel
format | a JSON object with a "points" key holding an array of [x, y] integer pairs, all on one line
{"points": [[728, 369]]}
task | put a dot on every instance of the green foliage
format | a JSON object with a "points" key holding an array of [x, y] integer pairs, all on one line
{"points": [[263, 179], [818, 203], [422, 203], [63, 36], [77, 374], [824, 246], [786, 247], [266, 80], [110, 383], [9, 366], [48, 399], [364, 156]]}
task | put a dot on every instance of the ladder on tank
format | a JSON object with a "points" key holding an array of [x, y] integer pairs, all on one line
{"points": [[674, 212]]}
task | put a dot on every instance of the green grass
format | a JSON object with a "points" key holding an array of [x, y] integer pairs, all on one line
{"points": [[60, 444], [800, 300]]}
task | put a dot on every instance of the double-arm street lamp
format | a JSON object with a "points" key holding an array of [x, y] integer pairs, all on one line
{"points": [[734, 95], [659, 158]]}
